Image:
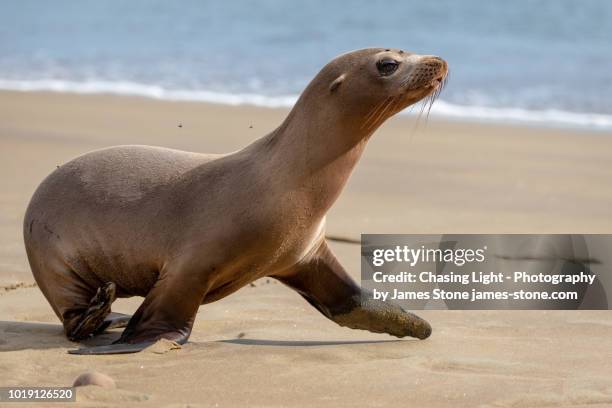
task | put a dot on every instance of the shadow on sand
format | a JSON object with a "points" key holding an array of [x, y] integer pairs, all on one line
{"points": [[305, 343], [15, 336]]}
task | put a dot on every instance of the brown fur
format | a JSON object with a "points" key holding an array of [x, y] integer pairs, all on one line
{"points": [[184, 229]]}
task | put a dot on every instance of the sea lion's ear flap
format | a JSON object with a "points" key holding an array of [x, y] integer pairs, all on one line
{"points": [[334, 85]]}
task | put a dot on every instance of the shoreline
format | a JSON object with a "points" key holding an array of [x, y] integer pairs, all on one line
{"points": [[442, 110], [406, 118]]}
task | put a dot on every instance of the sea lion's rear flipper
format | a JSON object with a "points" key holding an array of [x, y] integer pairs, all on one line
{"points": [[86, 323], [114, 321], [123, 348], [324, 283]]}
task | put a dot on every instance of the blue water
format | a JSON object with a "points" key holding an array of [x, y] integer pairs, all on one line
{"points": [[542, 61]]}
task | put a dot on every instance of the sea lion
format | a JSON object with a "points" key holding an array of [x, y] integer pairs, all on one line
{"points": [[184, 229]]}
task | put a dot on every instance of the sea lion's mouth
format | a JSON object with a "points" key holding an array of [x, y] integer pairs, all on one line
{"points": [[425, 80], [438, 83], [427, 87]]}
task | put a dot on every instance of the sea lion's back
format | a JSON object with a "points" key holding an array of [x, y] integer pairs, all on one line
{"points": [[105, 184], [117, 175]]}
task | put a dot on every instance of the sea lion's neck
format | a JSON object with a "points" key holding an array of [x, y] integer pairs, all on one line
{"points": [[313, 151]]}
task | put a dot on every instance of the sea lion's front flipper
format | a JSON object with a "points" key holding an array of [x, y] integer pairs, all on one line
{"points": [[324, 283], [167, 312], [123, 348], [169, 309]]}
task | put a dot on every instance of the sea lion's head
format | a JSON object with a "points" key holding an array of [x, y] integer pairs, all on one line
{"points": [[368, 86]]}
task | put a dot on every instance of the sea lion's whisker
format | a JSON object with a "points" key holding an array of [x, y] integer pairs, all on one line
{"points": [[423, 103], [430, 103], [368, 123], [380, 117], [415, 126], [434, 96], [379, 107], [383, 111], [397, 102], [371, 114]]}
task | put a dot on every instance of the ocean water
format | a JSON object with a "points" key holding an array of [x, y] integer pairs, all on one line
{"points": [[538, 61]]}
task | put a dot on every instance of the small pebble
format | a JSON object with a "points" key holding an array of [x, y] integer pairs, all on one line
{"points": [[94, 378]]}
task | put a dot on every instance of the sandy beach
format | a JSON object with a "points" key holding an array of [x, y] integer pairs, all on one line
{"points": [[265, 346]]}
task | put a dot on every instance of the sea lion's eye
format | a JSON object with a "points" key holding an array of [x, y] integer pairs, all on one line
{"points": [[387, 66]]}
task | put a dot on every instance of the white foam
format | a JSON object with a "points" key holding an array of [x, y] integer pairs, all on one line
{"points": [[543, 117], [149, 91], [551, 117]]}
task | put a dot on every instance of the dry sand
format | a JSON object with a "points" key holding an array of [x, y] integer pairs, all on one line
{"points": [[264, 346]]}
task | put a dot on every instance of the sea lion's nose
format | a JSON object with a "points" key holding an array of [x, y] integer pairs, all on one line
{"points": [[434, 61], [434, 66]]}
